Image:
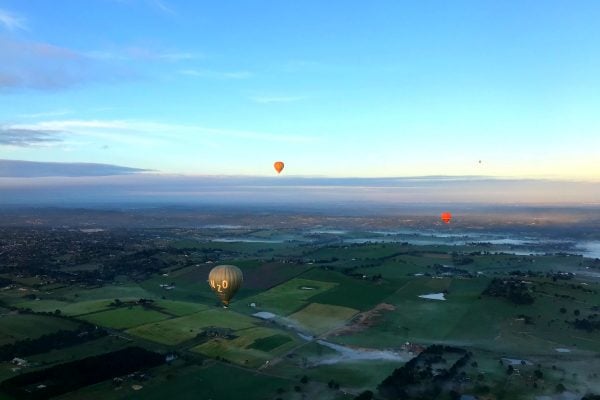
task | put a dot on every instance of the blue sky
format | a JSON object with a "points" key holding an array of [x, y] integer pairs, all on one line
{"points": [[335, 88]]}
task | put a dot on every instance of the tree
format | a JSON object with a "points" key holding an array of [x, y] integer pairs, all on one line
{"points": [[560, 388], [366, 395], [304, 379], [510, 370]]}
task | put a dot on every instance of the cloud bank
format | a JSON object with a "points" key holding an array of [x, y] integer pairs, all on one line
{"points": [[30, 169], [27, 137], [237, 190]]}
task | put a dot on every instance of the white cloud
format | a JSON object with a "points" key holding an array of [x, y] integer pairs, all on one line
{"points": [[145, 131], [46, 114], [164, 7], [11, 21]]}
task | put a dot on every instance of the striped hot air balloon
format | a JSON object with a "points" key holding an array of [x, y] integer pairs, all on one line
{"points": [[225, 280]]}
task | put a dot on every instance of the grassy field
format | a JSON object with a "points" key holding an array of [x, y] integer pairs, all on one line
{"points": [[67, 308], [178, 330], [125, 317], [179, 308], [21, 326], [351, 292], [320, 318], [319, 297], [252, 348], [216, 381], [291, 295]]}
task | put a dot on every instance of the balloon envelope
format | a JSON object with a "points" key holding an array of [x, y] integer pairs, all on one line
{"points": [[446, 217], [225, 280], [278, 166]]}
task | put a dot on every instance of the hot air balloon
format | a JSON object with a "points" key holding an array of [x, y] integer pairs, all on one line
{"points": [[225, 280], [446, 217], [278, 166]]}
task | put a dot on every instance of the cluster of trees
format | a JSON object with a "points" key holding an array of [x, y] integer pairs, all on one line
{"points": [[511, 289], [586, 324], [417, 377], [71, 376], [51, 341]]}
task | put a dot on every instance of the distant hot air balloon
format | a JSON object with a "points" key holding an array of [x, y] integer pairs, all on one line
{"points": [[225, 280], [446, 217], [278, 166]]}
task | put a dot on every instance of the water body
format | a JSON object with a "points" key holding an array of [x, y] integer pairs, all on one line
{"points": [[562, 350], [515, 361], [228, 240], [264, 315], [224, 226], [588, 249], [433, 296]]}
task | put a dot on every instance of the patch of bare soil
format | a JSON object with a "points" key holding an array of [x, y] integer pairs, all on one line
{"points": [[364, 320]]}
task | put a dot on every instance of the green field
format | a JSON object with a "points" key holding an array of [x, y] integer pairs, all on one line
{"points": [[178, 330], [352, 292], [178, 308], [243, 349], [290, 296], [314, 289], [67, 308], [20, 326], [125, 317], [320, 318]]}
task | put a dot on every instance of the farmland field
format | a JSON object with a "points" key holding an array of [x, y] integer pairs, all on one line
{"points": [[178, 330], [17, 327], [124, 317], [244, 349], [331, 319], [290, 296], [319, 318]]}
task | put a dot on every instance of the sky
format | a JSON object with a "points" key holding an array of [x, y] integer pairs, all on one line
{"points": [[333, 89]]}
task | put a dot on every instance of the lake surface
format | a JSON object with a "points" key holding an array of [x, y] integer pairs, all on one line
{"points": [[433, 296]]}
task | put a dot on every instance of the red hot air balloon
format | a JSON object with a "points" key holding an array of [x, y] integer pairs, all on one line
{"points": [[446, 217], [278, 166]]}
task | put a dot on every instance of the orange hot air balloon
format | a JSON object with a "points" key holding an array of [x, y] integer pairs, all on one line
{"points": [[446, 217], [278, 166]]}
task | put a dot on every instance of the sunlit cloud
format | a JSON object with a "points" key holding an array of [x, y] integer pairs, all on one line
{"points": [[152, 131], [11, 21]]}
